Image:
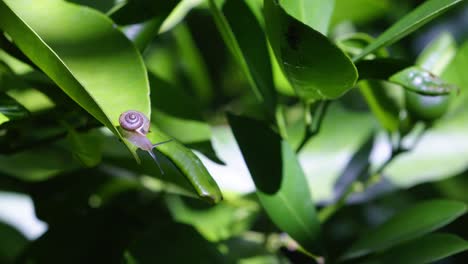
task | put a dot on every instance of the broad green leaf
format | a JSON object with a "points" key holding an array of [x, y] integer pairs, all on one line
{"points": [[244, 38], [307, 58], [76, 46], [11, 244], [10, 109], [315, 14], [86, 147], [279, 178], [427, 249], [415, 19], [38, 163], [413, 222]]}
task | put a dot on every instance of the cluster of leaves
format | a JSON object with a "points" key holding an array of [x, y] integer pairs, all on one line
{"points": [[291, 72]]}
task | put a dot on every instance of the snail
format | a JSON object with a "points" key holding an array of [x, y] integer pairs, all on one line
{"points": [[135, 126]]}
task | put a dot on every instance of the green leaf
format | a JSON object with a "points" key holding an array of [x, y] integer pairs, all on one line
{"points": [[415, 19], [427, 249], [244, 38], [181, 166], [421, 81], [189, 164], [38, 163], [11, 244], [281, 184], [307, 57], [315, 14], [86, 147], [76, 46], [10, 109], [413, 222]]}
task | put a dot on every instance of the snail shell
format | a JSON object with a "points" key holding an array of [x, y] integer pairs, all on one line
{"points": [[136, 126], [134, 121]]}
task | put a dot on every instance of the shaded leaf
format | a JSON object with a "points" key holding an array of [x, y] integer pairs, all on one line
{"points": [[86, 147], [10, 109], [427, 249], [244, 38], [307, 57], [11, 244], [281, 184], [413, 222], [380, 68]]}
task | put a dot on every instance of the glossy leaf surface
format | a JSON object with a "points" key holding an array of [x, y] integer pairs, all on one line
{"points": [[79, 55], [307, 57]]}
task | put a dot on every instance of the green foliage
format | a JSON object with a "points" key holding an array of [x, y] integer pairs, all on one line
{"points": [[288, 131]]}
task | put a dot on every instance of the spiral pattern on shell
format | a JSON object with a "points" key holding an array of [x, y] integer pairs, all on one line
{"points": [[134, 121]]}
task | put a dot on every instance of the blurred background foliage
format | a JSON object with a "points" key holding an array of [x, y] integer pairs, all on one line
{"points": [[351, 164]]}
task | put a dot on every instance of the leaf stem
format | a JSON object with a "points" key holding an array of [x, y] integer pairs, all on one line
{"points": [[313, 124]]}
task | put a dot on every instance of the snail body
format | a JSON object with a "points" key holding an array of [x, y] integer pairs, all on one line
{"points": [[135, 126]]}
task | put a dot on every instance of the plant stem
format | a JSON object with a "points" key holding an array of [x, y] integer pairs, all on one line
{"points": [[313, 126]]}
